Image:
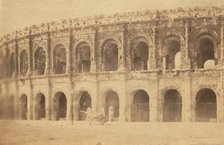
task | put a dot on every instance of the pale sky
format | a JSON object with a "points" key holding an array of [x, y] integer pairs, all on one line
{"points": [[16, 14]]}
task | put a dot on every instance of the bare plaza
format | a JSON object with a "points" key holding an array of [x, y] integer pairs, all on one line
{"points": [[116, 133]]}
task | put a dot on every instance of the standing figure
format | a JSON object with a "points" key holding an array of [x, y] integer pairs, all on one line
{"points": [[89, 115], [111, 113]]}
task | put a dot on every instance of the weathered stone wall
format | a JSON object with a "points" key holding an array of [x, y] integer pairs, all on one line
{"points": [[156, 29]]}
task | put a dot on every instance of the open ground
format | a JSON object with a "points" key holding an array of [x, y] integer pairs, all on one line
{"points": [[115, 133]]}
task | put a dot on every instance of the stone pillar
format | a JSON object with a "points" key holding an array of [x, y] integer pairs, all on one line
{"points": [[49, 70], [220, 100], [29, 107], [186, 100], [185, 50], [186, 42], [34, 109], [94, 99], [92, 52], [49, 58], [30, 57], [16, 59], [121, 58], [153, 113], [73, 115], [47, 62], [154, 52], [92, 59], [122, 103], [48, 108], [128, 107], [69, 104], [68, 62], [75, 107], [222, 42]]}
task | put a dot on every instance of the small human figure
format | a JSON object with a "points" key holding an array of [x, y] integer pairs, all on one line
{"points": [[89, 114], [102, 111], [111, 113]]}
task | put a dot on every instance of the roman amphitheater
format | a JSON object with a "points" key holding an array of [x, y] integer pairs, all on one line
{"points": [[150, 66]]}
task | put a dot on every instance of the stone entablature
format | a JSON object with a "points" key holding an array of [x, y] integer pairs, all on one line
{"points": [[159, 18]]}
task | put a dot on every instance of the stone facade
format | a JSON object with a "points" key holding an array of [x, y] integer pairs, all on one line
{"points": [[149, 66]]}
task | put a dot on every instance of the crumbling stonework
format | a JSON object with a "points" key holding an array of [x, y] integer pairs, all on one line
{"points": [[149, 66]]}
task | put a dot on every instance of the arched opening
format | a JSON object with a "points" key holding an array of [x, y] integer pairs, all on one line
{"points": [[59, 106], [85, 102], [39, 61], [59, 59], [40, 106], [23, 107], [205, 51], [173, 50], [172, 110], [23, 62], [206, 107], [12, 64], [110, 55], [140, 55], [112, 102], [140, 106], [83, 57]]}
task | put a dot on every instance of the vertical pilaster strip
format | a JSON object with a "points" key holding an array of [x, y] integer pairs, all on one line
{"points": [[68, 55], [30, 64], [186, 55], [222, 41], [121, 56], [17, 76], [98, 68], [49, 106], [30, 54], [154, 53], [186, 41], [70, 117], [92, 51]]}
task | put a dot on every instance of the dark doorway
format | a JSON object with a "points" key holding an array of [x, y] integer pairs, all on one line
{"points": [[59, 59], [206, 107], [140, 106], [205, 52], [83, 57], [60, 106], [140, 55], [172, 110], [40, 59], [23, 62], [85, 102], [173, 47], [112, 100], [110, 55]]}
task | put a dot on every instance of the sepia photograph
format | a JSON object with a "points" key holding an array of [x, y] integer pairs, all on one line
{"points": [[111, 72]]}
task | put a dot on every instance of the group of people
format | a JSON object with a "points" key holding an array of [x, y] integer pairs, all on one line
{"points": [[99, 116]]}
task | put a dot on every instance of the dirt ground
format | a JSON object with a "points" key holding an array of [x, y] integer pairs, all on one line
{"points": [[115, 133]]}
